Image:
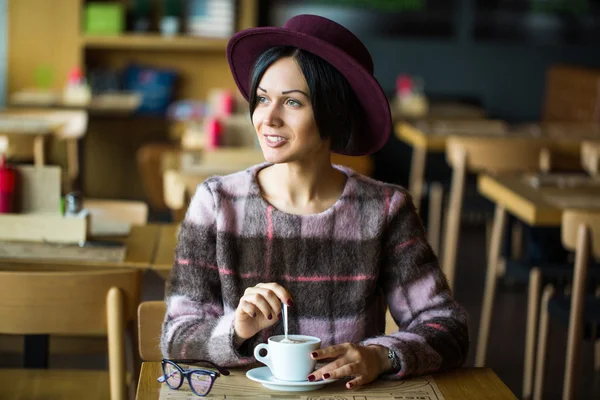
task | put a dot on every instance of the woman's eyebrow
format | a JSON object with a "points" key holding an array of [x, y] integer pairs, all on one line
{"points": [[286, 91], [294, 90]]}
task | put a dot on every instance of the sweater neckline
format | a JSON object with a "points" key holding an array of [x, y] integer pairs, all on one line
{"points": [[256, 188]]}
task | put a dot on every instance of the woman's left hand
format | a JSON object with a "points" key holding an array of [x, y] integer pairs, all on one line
{"points": [[364, 363]]}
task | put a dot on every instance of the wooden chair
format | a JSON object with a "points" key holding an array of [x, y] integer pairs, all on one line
{"points": [[361, 164], [149, 159], [580, 231], [590, 157], [150, 318], [492, 155], [42, 301], [115, 217], [479, 154]]}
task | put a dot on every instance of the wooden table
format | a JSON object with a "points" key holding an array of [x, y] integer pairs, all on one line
{"points": [[460, 384], [33, 128], [564, 141], [536, 206], [65, 125], [141, 246]]}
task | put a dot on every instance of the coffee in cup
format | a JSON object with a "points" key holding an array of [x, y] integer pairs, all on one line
{"points": [[289, 360]]}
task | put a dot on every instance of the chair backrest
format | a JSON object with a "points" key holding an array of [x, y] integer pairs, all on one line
{"points": [[150, 157], [150, 318], [571, 94], [48, 299], [590, 157], [572, 220], [496, 154], [133, 212]]}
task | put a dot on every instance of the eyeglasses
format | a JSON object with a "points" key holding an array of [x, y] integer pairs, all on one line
{"points": [[200, 380]]}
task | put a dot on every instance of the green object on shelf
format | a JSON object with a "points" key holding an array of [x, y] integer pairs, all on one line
{"points": [[104, 18], [43, 76]]}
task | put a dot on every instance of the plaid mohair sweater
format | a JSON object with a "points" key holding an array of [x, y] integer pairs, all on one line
{"points": [[341, 266]]}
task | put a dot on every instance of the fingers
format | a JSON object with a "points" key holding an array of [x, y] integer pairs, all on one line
{"points": [[262, 300], [336, 369], [351, 361], [282, 294], [330, 352], [356, 382], [265, 300], [247, 309]]}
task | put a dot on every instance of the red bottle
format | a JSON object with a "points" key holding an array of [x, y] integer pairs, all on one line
{"points": [[7, 186], [213, 130]]}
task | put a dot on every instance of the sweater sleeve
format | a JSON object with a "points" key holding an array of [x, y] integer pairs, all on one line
{"points": [[197, 325], [433, 333]]}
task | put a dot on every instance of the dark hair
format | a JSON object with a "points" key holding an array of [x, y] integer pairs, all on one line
{"points": [[338, 113]]}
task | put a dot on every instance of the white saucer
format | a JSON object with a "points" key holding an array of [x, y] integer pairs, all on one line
{"points": [[263, 375]]}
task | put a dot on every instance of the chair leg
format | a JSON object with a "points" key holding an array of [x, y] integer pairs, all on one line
{"points": [[535, 283], [490, 285], [436, 195], [542, 343], [452, 228], [417, 175], [575, 335], [597, 342], [115, 304], [597, 356]]}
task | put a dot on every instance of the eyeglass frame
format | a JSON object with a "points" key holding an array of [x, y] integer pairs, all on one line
{"points": [[186, 373]]}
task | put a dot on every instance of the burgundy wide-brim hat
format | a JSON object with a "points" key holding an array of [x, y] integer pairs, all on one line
{"points": [[336, 45]]}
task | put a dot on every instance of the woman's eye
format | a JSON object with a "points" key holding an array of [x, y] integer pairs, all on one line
{"points": [[293, 103], [261, 99]]}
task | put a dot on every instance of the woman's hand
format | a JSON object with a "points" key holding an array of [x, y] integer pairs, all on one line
{"points": [[259, 308], [364, 363]]}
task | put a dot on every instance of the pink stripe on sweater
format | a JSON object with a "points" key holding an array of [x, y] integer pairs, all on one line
{"points": [[438, 327], [328, 278], [289, 278], [405, 244], [387, 203], [269, 240], [223, 271], [249, 275]]}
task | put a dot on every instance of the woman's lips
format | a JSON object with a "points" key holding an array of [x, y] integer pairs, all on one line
{"points": [[275, 141]]}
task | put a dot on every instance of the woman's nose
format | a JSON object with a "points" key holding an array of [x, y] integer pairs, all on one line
{"points": [[271, 116]]}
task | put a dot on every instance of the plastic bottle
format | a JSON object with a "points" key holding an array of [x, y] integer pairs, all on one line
{"points": [[7, 186]]}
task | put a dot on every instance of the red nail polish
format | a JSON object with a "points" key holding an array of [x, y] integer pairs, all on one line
{"points": [[270, 316], [314, 354], [311, 378], [290, 302], [254, 315], [326, 376], [349, 384]]}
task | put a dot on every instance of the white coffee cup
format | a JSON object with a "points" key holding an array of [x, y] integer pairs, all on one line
{"points": [[289, 361]]}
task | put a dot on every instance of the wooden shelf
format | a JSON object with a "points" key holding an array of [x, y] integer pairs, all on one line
{"points": [[154, 42]]}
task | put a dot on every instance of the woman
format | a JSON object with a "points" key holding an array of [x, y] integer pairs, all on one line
{"points": [[334, 245]]}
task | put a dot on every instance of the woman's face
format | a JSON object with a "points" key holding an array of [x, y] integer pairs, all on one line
{"points": [[283, 117]]}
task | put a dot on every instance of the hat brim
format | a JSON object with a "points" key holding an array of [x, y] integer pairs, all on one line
{"points": [[245, 47]]}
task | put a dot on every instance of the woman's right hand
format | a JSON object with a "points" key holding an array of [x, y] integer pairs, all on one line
{"points": [[259, 308]]}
